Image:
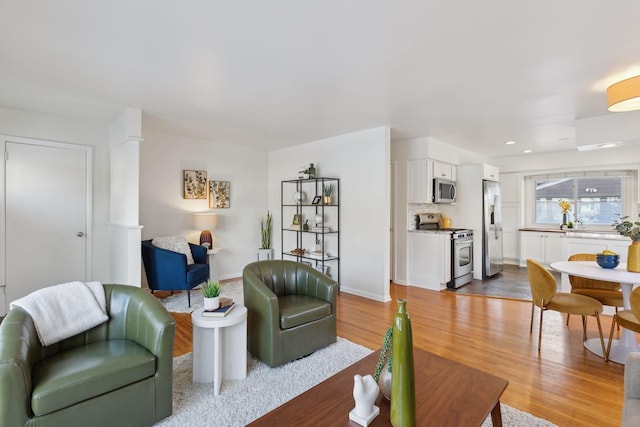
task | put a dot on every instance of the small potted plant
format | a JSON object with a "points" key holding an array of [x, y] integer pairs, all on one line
{"points": [[327, 191], [211, 294], [265, 251]]}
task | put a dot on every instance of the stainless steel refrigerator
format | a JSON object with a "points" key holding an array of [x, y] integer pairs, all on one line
{"points": [[492, 262]]}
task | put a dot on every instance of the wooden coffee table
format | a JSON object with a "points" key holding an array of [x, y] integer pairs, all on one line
{"points": [[447, 394]]}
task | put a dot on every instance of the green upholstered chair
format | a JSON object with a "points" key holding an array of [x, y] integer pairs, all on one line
{"points": [[291, 310], [118, 373]]}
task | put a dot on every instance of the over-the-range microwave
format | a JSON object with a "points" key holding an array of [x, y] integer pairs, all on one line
{"points": [[444, 191]]}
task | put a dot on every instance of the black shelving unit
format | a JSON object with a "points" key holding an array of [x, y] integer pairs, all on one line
{"points": [[295, 237]]}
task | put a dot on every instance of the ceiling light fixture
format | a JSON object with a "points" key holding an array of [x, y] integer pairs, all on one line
{"points": [[509, 143], [607, 145], [624, 95], [591, 190], [527, 151]]}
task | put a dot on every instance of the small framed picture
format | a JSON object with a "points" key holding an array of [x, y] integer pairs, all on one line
{"points": [[195, 184], [297, 219], [219, 194], [316, 200]]}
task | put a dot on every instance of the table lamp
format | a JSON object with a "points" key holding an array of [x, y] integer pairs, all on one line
{"points": [[205, 221]]}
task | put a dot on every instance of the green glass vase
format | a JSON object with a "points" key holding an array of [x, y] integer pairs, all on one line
{"points": [[403, 393]]}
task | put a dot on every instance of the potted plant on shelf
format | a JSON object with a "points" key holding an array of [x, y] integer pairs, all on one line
{"points": [[211, 293], [266, 227], [631, 230], [327, 191]]}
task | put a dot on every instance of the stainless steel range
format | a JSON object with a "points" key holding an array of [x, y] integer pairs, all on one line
{"points": [[461, 248]]}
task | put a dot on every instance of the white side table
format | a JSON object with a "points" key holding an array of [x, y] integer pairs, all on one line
{"points": [[219, 347], [213, 266]]}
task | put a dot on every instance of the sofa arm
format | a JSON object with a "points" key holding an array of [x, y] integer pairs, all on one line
{"points": [[20, 349], [632, 376]]}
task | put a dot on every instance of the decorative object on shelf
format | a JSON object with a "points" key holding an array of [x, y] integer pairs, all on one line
{"points": [[319, 246], [297, 219], [195, 184], [298, 251], [365, 392], [311, 171], [219, 194], [383, 373], [624, 95], [303, 173], [327, 191], [266, 226], [318, 219], [305, 226], [631, 230], [565, 207], [299, 196], [211, 293], [205, 221], [403, 393], [316, 200]]}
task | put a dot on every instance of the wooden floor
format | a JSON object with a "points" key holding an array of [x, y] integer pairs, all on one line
{"points": [[564, 383]]}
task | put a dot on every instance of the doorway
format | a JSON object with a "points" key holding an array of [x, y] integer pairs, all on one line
{"points": [[47, 215]]}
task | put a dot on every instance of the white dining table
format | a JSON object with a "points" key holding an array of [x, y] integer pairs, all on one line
{"points": [[627, 279]]}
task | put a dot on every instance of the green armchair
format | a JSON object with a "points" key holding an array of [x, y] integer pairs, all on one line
{"points": [[291, 310], [118, 373]]}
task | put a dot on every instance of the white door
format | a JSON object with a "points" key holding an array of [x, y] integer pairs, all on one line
{"points": [[46, 215]]}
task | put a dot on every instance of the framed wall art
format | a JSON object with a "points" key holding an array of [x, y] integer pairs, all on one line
{"points": [[219, 194], [195, 184]]}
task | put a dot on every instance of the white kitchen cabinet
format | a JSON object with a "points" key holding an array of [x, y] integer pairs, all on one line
{"points": [[579, 245], [544, 247], [419, 188], [491, 173], [429, 259], [444, 170]]}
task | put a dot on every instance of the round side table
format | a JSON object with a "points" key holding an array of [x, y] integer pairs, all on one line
{"points": [[219, 347]]}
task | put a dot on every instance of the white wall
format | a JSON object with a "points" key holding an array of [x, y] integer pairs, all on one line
{"points": [[164, 212], [362, 161], [52, 128]]}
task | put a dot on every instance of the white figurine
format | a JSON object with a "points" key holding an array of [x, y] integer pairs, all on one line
{"points": [[365, 392]]}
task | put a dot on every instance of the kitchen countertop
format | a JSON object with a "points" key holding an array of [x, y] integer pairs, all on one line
{"points": [[580, 233]]}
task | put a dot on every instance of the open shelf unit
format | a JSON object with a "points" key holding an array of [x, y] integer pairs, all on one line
{"points": [[319, 239]]}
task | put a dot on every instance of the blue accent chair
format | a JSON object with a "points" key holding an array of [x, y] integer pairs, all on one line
{"points": [[168, 271]]}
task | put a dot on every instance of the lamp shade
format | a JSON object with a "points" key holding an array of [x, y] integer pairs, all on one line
{"points": [[624, 95], [205, 220]]}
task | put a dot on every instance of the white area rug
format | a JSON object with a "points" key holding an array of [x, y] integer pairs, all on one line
{"points": [[265, 388], [178, 303]]}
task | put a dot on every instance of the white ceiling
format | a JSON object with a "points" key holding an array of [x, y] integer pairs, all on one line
{"points": [[282, 72]]}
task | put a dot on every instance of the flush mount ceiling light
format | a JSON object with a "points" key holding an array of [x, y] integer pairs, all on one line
{"points": [[509, 143], [624, 95], [591, 190]]}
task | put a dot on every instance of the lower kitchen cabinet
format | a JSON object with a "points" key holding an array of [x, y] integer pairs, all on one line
{"points": [[429, 257], [540, 246], [594, 246]]}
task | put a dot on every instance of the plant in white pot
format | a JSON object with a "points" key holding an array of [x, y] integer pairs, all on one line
{"points": [[211, 293], [266, 227]]}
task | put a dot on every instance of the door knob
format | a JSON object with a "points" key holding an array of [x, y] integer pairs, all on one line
{"points": [[80, 234]]}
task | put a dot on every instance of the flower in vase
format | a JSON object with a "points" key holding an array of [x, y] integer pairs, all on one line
{"points": [[565, 206]]}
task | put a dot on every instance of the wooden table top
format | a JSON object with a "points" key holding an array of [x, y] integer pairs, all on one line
{"points": [[447, 394]]}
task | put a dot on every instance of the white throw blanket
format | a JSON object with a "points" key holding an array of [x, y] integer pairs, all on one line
{"points": [[62, 311]]}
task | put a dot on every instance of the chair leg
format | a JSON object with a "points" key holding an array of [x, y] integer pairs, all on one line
{"points": [[531, 323], [616, 315], [584, 328], [604, 353], [540, 329], [189, 297], [613, 324], [568, 319]]}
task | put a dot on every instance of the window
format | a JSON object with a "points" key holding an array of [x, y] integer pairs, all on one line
{"points": [[597, 198]]}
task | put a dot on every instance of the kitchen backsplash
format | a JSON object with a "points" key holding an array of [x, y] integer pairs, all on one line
{"points": [[418, 208]]}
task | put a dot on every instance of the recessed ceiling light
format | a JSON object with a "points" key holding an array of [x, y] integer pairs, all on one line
{"points": [[607, 145], [509, 143], [527, 151]]}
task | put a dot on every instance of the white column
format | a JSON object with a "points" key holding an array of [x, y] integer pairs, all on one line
{"points": [[125, 230]]}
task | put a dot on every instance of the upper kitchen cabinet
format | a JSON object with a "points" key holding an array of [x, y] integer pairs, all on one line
{"points": [[420, 174], [490, 173], [444, 170]]}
